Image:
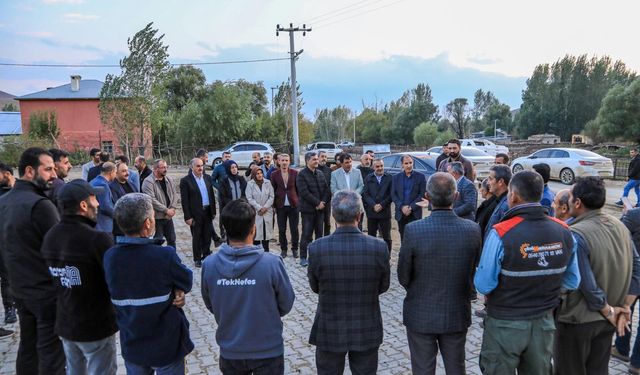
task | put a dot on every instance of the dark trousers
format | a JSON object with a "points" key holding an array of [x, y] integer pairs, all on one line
{"points": [[265, 244], [360, 362], [5, 290], [165, 229], [623, 343], [266, 366], [40, 350], [290, 214], [403, 222], [583, 349], [201, 235], [327, 219], [311, 222], [424, 350], [382, 225]]}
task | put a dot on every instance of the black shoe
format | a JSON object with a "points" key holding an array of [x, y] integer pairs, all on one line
{"points": [[198, 263], [10, 316], [283, 254], [619, 203], [5, 332], [304, 262], [295, 253]]}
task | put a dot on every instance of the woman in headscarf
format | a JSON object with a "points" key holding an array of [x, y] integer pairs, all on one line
{"points": [[232, 187], [260, 195]]}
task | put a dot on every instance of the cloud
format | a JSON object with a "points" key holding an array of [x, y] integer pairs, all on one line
{"points": [[63, 1], [79, 17], [482, 60], [36, 34]]}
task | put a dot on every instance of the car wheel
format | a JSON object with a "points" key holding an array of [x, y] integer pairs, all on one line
{"points": [[216, 162], [517, 168], [567, 176]]}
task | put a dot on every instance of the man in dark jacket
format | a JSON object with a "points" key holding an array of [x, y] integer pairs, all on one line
{"points": [[286, 203], [443, 155], [326, 171], [95, 171], [376, 197], [313, 193], [407, 190], [365, 166], [27, 215], [455, 154], [120, 186], [248, 291], [499, 177], [633, 177], [143, 169], [7, 180], [62, 167], [467, 199], [349, 270], [147, 283], [436, 263], [73, 249], [199, 208]]}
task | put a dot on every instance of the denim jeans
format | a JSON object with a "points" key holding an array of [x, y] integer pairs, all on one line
{"points": [[91, 358], [175, 368], [632, 184], [623, 344]]}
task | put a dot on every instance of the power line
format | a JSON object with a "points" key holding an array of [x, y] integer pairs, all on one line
{"points": [[117, 66], [331, 13], [358, 14]]}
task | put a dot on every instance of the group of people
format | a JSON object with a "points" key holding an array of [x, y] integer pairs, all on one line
{"points": [[83, 260]]}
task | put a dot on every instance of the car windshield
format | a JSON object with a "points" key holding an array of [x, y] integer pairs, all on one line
{"points": [[586, 153], [325, 145], [228, 147], [473, 152]]}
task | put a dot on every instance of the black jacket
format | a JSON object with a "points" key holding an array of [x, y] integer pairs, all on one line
{"points": [[365, 171], [326, 171], [144, 174], [484, 211], [634, 168], [117, 191], [377, 193], [26, 215], [191, 199], [312, 189], [226, 196], [73, 250], [94, 172]]}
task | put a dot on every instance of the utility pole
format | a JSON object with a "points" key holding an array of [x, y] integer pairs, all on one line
{"points": [[273, 108], [354, 129], [495, 129], [294, 91]]}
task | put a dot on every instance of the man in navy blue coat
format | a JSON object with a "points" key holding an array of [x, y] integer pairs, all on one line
{"points": [[376, 197], [407, 190], [466, 201]]}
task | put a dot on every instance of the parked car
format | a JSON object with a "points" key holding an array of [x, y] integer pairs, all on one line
{"points": [[485, 145], [329, 147], [346, 144], [240, 152], [567, 163], [423, 162], [481, 160]]}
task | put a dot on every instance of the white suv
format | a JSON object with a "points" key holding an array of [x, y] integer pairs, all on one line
{"points": [[240, 153]]}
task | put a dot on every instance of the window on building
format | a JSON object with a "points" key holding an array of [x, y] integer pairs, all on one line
{"points": [[107, 146]]}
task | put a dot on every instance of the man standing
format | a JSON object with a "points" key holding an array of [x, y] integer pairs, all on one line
{"points": [[62, 167], [95, 160], [407, 190], [199, 207], [376, 196], [326, 171], [255, 163], [85, 317], [526, 261], [95, 171], [633, 177], [248, 291], [501, 159], [120, 186], [548, 196], [314, 195], [365, 166], [499, 177], [267, 164], [443, 155], [466, 201], [286, 202], [147, 283], [218, 174], [436, 263], [348, 318], [27, 215], [455, 154], [142, 168], [7, 180], [561, 206], [610, 272], [346, 178], [105, 210], [202, 154], [134, 176], [164, 196]]}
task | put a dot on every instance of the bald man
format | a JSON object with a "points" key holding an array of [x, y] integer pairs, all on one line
{"points": [[561, 206]]}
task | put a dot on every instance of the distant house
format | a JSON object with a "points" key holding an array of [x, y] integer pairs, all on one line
{"points": [[547, 139], [10, 124], [77, 114]]}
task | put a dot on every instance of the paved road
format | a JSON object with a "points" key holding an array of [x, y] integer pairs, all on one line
{"points": [[299, 355]]}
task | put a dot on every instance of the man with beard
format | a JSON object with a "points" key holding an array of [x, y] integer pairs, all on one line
{"points": [[134, 176], [120, 186], [105, 211], [27, 215], [142, 168], [73, 249], [62, 167], [6, 183], [267, 164], [7, 180], [455, 154], [95, 160], [165, 197]]}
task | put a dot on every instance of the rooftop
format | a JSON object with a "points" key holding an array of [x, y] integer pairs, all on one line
{"points": [[89, 89], [10, 123]]}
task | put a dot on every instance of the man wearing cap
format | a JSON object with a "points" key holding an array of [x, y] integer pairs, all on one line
{"points": [[27, 215], [73, 249], [105, 211]]}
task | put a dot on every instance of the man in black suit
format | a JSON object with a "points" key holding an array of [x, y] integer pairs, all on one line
{"points": [[349, 270], [199, 207], [376, 197], [436, 263], [314, 195], [95, 171], [467, 199], [407, 190]]}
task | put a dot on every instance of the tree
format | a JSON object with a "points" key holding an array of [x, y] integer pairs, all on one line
{"points": [[43, 125], [128, 100], [332, 124], [370, 123], [425, 134], [458, 111], [619, 116], [10, 107], [413, 108]]}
